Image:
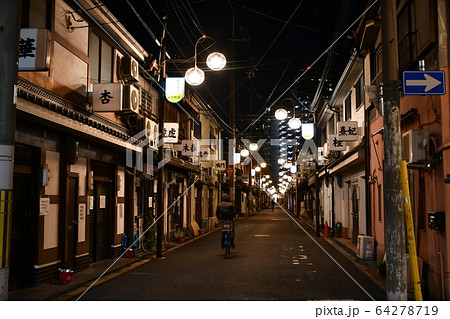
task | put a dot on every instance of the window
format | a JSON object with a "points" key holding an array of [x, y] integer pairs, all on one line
{"points": [[348, 107], [146, 100], [101, 55], [376, 65], [417, 31], [197, 129], [36, 14], [359, 87], [406, 44]]}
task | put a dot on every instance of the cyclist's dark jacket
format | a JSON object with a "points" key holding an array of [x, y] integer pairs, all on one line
{"points": [[225, 210]]}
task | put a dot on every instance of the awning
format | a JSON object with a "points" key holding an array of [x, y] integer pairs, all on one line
{"points": [[352, 160]]}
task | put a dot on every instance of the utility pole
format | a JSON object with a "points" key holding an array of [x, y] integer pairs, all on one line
{"points": [[396, 288], [317, 186], [9, 54], [250, 192], [160, 175], [232, 144]]}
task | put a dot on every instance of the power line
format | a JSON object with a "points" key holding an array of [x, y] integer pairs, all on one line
{"points": [[162, 24], [312, 64], [142, 21], [307, 28], [295, 51]]}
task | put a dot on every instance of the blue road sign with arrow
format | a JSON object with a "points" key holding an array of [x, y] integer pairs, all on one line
{"points": [[423, 82]]}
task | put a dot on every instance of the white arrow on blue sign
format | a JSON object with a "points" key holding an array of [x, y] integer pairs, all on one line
{"points": [[424, 82]]}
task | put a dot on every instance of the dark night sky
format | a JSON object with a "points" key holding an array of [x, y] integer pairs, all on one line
{"points": [[271, 53]]}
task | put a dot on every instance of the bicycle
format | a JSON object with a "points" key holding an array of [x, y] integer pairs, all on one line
{"points": [[227, 229]]}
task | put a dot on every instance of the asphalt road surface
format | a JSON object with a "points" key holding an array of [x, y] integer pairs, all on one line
{"points": [[274, 259]]}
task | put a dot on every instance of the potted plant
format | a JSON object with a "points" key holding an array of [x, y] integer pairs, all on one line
{"points": [[179, 234]]}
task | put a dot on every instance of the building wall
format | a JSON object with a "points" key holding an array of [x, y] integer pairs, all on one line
{"points": [[432, 115], [377, 193]]}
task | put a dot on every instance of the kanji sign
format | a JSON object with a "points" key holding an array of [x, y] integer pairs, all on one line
{"points": [[107, 97], [347, 131], [174, 89], [170, 133], [220, 165], [33, 49], [335, 144], [424, 82], [320, 156], [190, 147]]}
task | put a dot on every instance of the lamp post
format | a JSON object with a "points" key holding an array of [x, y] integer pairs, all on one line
{"points": [[295, 123], [281, 114], [194, 76], [216, 61], [258, 181]]}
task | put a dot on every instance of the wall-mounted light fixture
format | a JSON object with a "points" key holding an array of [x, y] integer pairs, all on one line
{"points": [[45, 175]]}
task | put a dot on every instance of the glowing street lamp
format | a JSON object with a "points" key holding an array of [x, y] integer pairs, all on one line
{"points": [[245, 152], [253, 147], [216, 61], [295, 123], [194, 76], [281, 114]]}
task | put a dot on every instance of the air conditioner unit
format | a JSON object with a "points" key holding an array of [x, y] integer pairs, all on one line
{"points": [[145, 124], [365, 247], [131, 99], [414, 144], [154, 137], [130, 69]]}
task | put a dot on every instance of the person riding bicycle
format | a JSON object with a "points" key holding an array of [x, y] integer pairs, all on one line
{"points": [[226, 211]]}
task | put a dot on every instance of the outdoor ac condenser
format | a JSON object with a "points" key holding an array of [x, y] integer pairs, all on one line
{"points": [[130, 69], [365, 247], [414, 144], [131, 99]]}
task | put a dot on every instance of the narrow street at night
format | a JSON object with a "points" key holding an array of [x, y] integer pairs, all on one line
{"points": [[133, 134], [274, 259]]}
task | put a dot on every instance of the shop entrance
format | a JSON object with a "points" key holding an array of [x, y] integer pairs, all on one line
{"points": [[25, 216]]}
